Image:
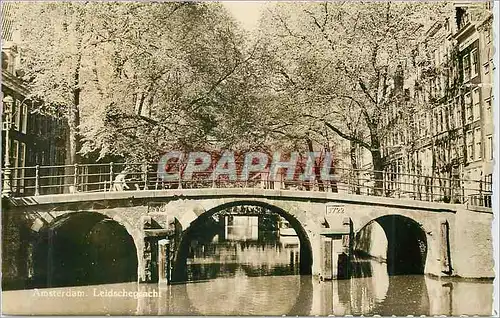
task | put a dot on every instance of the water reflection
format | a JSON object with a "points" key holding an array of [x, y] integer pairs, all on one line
{"points": [[267, 295], [244, 272], [229, 259], [250, 246]]}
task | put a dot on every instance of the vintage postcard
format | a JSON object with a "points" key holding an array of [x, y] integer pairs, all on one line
{"points": [[249, 158]]}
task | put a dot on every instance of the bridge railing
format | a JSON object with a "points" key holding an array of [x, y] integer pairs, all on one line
{"points": [[103, 177]]}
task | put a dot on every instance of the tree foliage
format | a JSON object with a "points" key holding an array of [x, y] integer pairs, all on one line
{"points": [[334, 64], [136, 79]]}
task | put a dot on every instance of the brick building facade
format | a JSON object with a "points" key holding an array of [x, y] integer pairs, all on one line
{"points": [[447, 131]]}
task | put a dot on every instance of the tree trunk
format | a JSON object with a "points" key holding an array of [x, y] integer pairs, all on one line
{"points": [[74, 106], [73, 124], [354, 165], [378, 165], [331, 183], [317, 169]]}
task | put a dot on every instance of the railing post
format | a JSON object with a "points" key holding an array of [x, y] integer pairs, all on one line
{"points": [[348, 181], [111, 176], [180, 177], [452, 191], [463, 192], [145, 175], [384, 183], [37, 180], [75, 178], [432, 188]]}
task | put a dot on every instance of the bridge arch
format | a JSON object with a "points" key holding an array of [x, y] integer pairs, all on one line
{"points": [[405, 249], [306, 254], [84, 248]]}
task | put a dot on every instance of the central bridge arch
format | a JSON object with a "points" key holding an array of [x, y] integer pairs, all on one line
{"points": [[306, 254]]}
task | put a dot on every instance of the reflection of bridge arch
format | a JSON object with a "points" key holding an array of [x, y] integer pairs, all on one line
{"points": [[407, 247], [84, 248], [180, 268], [290, 295]]}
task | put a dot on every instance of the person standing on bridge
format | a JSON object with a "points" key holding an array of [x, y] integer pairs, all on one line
{"points": [[119, 184]]}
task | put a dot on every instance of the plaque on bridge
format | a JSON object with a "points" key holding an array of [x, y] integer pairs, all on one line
{"points": [[335, 209]]}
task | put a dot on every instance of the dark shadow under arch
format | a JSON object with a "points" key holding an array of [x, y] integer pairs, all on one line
{"points": [[84, 248], [406, 244], [179, 272]]}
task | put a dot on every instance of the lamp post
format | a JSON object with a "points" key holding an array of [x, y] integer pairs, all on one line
{"points": [[8, 101]]}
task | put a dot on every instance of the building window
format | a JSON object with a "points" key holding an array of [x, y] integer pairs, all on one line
{"points": [[488, 106], [451, 116], [25, 118], [8, 62], [477, 106], [15, 162], [477, 146], [433, 128], [488, 35], [470, 146], [460, 146], [17, 114], [466, 67], [489, 147], [475, 63], [428, 125], [468, 109], [458, 114], [441, 120], [486, 67], [22, 162]]}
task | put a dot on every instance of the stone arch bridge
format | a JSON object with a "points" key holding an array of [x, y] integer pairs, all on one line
{"points": [[452, 239]]}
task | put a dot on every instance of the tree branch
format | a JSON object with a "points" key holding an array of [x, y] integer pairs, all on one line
{"points": [[342, 134]]}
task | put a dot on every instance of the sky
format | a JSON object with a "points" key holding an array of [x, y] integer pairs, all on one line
{"points": [[246, 12]]}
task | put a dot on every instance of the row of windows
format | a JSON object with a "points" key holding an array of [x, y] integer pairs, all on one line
{"points": [[470, 69], [445, 153], [474, 151], [470, 61], [19, 116], [449, 117], [36, 124], [474, 146]]}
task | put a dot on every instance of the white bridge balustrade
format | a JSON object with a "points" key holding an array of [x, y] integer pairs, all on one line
{"points": [[106, 177]]}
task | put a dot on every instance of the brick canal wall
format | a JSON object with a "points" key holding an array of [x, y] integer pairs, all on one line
{"points": [[16, 261], [472, 243]]}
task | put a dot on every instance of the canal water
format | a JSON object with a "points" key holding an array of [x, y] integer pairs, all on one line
{"points": [[260, 277]]}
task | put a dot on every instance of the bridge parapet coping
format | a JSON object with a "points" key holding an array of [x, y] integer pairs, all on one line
{"points": [[292, 195], [481, 209]]}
